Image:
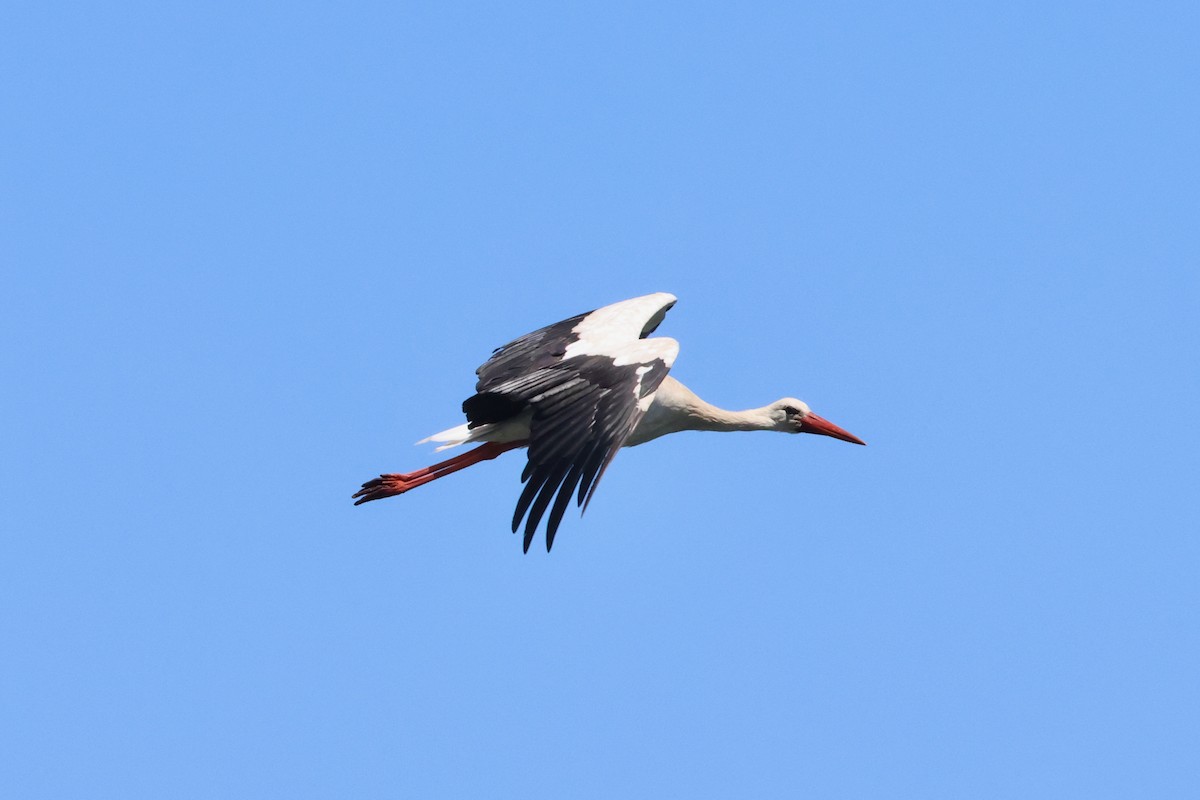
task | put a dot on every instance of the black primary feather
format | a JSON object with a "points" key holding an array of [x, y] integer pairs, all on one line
{"points": [[529, 353], [584, 409]]}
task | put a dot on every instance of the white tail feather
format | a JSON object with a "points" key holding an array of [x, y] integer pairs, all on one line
{"points": [[461, 434], [514, 429]]}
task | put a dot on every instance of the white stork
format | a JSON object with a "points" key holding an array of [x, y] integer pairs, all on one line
{"points": [[574, 393]]}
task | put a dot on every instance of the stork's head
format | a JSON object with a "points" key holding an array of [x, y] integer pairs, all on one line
{"points": [[794, 416]]}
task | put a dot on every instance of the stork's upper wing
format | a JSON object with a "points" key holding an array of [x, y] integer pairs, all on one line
{"points": [[598, 331], [529, 353], [586, 381]]}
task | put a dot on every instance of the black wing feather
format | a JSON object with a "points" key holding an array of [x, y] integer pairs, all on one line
{"points": [[618, 421], [531, 352], [562, 501], [553, 484], [584, 409]]}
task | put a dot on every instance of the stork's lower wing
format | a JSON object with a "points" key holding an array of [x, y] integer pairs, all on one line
{"points": [[584, 408]]}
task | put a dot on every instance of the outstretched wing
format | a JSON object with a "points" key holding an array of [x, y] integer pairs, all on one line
{"points": [[586, 381], [531, 352], [594, 332]]}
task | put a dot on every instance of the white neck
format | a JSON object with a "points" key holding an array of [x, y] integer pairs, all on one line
{"points": [[702, 416], [677, 408]]}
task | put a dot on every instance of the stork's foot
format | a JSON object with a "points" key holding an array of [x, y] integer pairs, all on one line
{"points": [[384, 486]]}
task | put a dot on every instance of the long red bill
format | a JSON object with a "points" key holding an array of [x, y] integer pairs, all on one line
{"points": [[814, 424]]}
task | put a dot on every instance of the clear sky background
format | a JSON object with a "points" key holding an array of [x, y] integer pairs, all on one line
{"points": [[252, 252]]}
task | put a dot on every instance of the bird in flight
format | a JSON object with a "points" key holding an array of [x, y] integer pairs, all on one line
{"points": [[574, 393]]}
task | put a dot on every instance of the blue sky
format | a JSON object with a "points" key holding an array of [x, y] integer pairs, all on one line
{"points": [[253, 251]]}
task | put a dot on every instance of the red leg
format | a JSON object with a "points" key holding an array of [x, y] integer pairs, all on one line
{"points": [[394, 484]]}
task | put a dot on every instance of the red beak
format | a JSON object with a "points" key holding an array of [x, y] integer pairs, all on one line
{"points": [[814, 424]]}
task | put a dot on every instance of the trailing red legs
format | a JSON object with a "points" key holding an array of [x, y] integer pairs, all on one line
{"points": [[399, 483]]}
